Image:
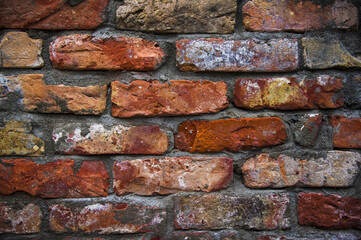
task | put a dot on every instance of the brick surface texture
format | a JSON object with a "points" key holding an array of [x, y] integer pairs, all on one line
{"points": [[180, 119]]}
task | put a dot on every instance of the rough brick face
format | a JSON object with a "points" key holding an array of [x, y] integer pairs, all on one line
{"points": [[207, 16], [90, 139], [250, 55], [55, 179], [337, 169], [179, 97], [15, 139], [171, 175], [18, 50], [289, 93], [223, 211], [330, 212], [307, 129], [85, 52], [230, 134], [52, 14], [23, 221], [106, 218], [346, 131], [292, 15]]}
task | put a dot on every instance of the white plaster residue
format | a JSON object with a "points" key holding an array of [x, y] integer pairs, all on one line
{"points": [[313, 115], [181, 182], [76, 135], [281, 81], [251, 86], [56, 136], [96, 207], [322, 80]]}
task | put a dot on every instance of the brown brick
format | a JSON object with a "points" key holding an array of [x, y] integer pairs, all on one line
{"points": [[15, 139], [250, 55], [18, 50], [171, 175], [289, 93], [322, 53], [346, 131], [179, 97], [229, 134], [178, 16], [55, 179], [337, 169], [298, 16], [330, 212], [223, 211], [106, 218], [52, 14], [22, 221], [85, 52], [89, 139]]}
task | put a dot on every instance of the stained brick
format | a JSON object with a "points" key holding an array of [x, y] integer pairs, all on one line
{"points": [[85, 52], [306, 132], [250, 55], [346, 131], [52, 14], [229, 134], [330, 212], [15, 139], [22, 221], [289, 93], [104, 218], [296, 16], [178, 16], [179, 97], [337, 169], [92, 138], [327, 53], [54, 179], [171, 175], [18, 50], [223, 211]]}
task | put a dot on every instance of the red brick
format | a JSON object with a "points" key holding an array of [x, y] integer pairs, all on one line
{"points": [[52, 14], [250, 55], [171, 175], [346, 131], [18, 50], [329, 212], [289, 93], [120, 139], [223, 211], [106, 218], [230, 134], [85, 52], [298, 16], [22, 221], [55, 179], [179, 97]]}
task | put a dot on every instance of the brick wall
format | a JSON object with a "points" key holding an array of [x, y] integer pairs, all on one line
{"points": [[164, 119]]}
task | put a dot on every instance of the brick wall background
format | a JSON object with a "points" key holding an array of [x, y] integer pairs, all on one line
{"points": [[176, 119]]}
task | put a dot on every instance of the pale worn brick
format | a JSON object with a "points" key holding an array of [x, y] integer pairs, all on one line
{"points": [[179, 97], [346, 131]]}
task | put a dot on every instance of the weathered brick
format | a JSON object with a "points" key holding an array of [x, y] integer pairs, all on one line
{"points": [[327, 53], [18, 50], [296, 16], [337, 169], [179, 97], [346, 131], [52, 14], [223, 211], [171, 175], [330, 212], [250, 55], [85, 52], [289, 93], [353, 92], [180, 16], [230, 134], [307, 129], [22, 221], [342, 236], [54, 179], [89, 139], [15, 139], [106, 218]]}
